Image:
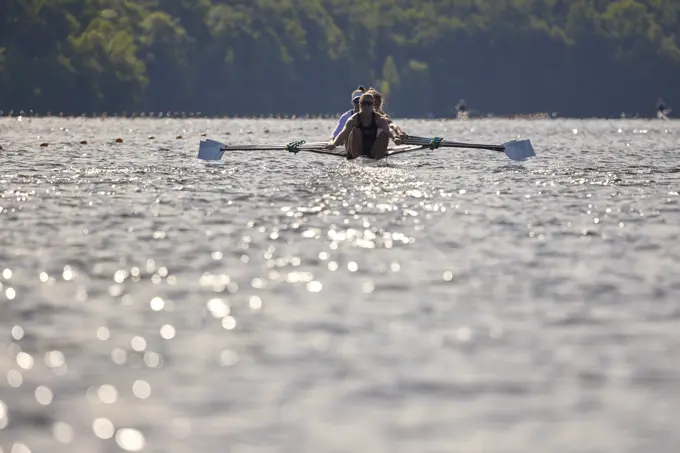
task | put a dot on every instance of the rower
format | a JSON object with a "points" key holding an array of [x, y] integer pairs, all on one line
{"points": [[361, 132], [462, 110], [662, 111], [379, 103], [660, 105], [356, 94]]}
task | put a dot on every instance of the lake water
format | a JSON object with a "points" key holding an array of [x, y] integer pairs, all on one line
{"points": [[445, 301]]}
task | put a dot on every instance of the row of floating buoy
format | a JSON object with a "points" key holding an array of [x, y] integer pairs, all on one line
{"points": [[150, 137], [523, 116], [117, 140], [183, 115]]}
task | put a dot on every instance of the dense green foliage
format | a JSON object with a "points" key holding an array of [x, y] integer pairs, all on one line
{"points": [[577, 57]]}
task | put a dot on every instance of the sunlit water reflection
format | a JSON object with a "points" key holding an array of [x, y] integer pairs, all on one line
{"points": [[446, 301]]}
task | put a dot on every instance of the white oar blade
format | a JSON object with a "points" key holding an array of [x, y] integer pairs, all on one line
{"points": [[519, 149], [210, 150]]}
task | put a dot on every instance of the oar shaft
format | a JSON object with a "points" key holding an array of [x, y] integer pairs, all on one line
{"points": [[500, 148], [401, 151], [317, 150], [448, 144], [318, 145], [324, 151], [252, 148]]}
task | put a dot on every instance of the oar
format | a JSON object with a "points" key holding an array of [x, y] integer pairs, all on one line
{"points": [[213, 150], [514, 149], [401, 149]]}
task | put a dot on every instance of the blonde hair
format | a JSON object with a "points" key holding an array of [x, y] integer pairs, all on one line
{"points": [[378, 99]]}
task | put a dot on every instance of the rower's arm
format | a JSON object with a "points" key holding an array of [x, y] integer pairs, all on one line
{"points": [[384, 125], [341, 123], [342, 136], [396, 129]]}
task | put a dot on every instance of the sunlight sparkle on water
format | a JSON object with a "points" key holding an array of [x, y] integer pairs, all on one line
{"points": [[68, 273], [167, 332], [157, 304], [218, 308], [43, 395], [103, 428], [255, 303], [141, 389], [25, 360], [4, 419], [229, 357], [119, 356], [153, 359], [20, 448], [103, 333], [138, 344], [107, 394], [17, 332], [63, 432], [54, 359], [314, 286], [228, 322], [120, 275], [14, 378], [258, 283], [299, 277]]}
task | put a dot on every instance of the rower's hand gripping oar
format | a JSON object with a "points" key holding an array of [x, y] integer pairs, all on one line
{"points": [[514, 149]]}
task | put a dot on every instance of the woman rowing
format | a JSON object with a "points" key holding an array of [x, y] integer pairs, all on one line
{"points": [[362, 132], [356, 94], [379, 103]]}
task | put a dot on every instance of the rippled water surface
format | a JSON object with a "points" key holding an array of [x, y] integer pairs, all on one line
{"points": [[447, 301]]}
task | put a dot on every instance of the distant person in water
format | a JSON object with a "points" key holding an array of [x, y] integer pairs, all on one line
{"points": [[662, 112], [366, 132], [461, 107], [356, 94], [461, 110]]}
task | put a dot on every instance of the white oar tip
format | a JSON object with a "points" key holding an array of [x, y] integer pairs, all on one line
{"points": [[210, 150], [519, 149]]}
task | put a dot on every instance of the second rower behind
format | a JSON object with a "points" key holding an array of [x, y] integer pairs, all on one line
{"points": [[379, 108], [362, 132], [661, 110]]}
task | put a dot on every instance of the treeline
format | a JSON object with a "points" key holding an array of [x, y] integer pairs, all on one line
{"points": [[575, 57]]}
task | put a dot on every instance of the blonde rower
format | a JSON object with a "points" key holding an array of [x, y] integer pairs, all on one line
{"points": [[379, 104]]}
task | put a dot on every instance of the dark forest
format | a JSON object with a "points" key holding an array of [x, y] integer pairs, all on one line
{"points": [[261, 57]]}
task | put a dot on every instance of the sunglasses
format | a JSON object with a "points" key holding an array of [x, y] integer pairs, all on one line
{"points": [[366, 103]]}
